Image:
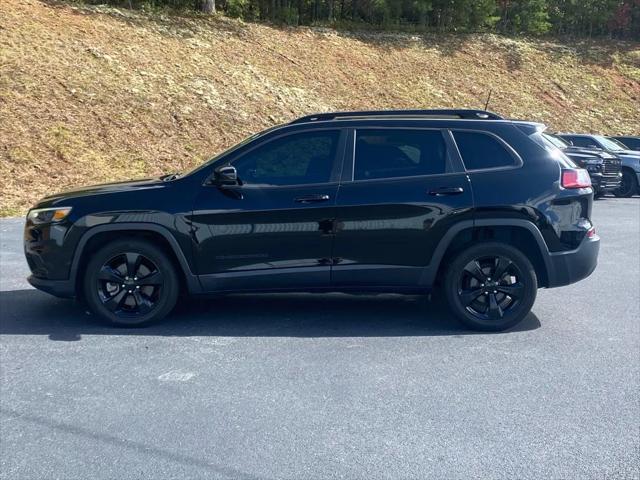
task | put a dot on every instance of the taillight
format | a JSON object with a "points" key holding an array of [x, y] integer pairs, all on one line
{"points": [[575, 178]]}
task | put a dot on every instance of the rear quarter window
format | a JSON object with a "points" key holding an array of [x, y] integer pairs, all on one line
{"points": [[480, 151]]}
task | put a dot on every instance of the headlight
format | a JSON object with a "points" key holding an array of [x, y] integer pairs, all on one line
{"points": [[48, 215]]}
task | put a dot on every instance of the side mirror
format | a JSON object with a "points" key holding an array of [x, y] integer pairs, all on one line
{"points": [[226, 175]]}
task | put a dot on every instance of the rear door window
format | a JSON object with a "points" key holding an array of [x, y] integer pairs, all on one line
{"points": [[481, 151], [391, 153]]}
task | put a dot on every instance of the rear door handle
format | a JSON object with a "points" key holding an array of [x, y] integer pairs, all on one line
{"points": [[439, 192], [312, 198]]}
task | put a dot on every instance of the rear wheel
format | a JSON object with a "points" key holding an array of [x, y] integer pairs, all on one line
{"points": [[628, 186], [490, 286], [130, 282]]}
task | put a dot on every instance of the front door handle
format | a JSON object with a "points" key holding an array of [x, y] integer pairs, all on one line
{"points": [[312, 198], [439, 192]]}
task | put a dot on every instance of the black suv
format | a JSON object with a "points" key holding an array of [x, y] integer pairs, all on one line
{"points": [[605, 169], [484, 209]]}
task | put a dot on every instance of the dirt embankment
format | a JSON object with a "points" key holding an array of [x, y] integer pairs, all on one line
{"points": [[90, 95]]}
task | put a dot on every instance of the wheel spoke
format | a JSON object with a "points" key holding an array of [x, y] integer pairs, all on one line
{"points": [[144, 305], [133, 263], [468, 296], [115, 302], [502, 264], [474, 269], [109, 274], [154, 278], [494, 311], [515, 290]]}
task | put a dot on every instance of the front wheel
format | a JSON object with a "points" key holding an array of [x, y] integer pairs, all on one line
{"points": [[628, 186], [130, 282], [490, 286]]}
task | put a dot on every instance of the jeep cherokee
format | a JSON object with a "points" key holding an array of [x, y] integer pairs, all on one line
{"points": [[481, 209]]}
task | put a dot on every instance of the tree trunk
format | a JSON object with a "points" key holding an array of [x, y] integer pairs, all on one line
{"points": [[208, 6]]}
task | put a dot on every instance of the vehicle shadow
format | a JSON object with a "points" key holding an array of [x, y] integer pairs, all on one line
{"points": [[30, 312]]}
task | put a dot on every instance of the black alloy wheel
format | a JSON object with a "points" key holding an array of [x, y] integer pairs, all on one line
{"points": [[490, 286], [131, 282]]}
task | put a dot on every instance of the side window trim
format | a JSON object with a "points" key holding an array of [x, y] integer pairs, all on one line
{"points": [[349, 157], [452, 166], [518, 163], [453, 153], [335, 167]]}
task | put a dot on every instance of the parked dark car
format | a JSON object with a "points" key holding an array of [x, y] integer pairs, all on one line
{"points": [[481, 210], [629, 158], [630, 143], [605, 169]]}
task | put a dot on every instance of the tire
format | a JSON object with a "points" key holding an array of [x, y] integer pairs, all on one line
{"points": [[629, 185], [130, 283], [481, 302]]}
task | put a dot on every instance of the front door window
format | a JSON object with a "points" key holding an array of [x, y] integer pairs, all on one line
{"points": [[297, 159]]}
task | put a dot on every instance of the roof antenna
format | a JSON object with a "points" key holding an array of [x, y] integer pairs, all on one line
{"points": [[486, 105]]}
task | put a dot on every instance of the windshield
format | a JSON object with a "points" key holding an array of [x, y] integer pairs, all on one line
{"points": [[609, 144], [618, 142], [544, 140], [558, 142]]}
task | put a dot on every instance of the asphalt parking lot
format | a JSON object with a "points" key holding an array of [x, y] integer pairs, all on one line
{"points": [[327, 386]]}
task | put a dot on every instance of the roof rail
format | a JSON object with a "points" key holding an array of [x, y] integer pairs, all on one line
{"points": [[442, 113]]}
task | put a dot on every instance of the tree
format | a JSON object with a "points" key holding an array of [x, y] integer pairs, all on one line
{"points": [[524, 16], [614, 18], [208, 6]]}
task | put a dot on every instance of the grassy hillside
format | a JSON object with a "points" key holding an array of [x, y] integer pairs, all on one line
{"points": [[94, 94]]}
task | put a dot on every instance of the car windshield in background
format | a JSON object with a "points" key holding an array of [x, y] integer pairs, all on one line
{"points": [[618, 142], [544, 140], [558, 142], [609, 144]]}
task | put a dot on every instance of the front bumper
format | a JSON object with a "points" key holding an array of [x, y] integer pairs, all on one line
{"points": [[59, 288], [605, 183], [569, 267], [49, 252]]}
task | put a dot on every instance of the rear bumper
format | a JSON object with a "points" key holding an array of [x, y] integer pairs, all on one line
{"points": [[565, 268], [59, 288]]}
